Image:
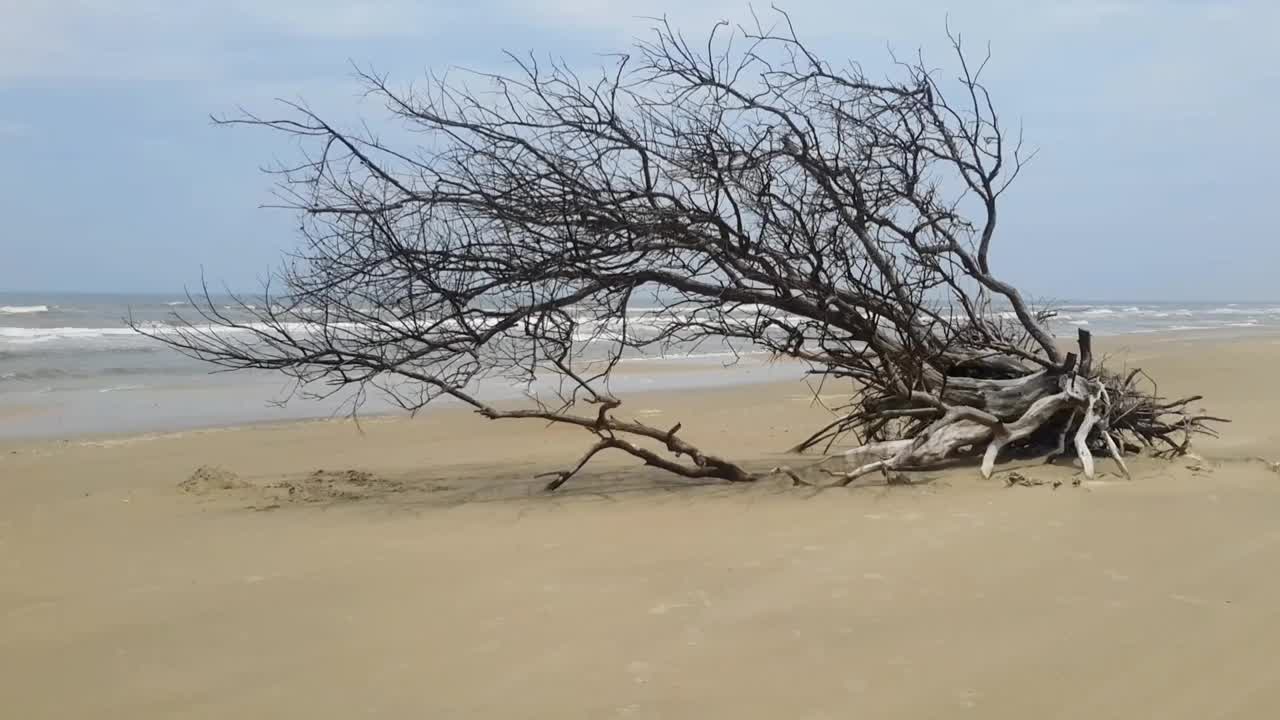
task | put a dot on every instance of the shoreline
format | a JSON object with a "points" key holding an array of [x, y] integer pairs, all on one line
{"points": [[639, 377], [252, 403], [706, 384]]}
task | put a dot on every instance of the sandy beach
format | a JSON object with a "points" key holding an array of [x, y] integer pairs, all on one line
{"points": [[411, 568]]}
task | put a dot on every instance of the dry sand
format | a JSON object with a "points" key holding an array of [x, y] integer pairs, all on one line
{"points": [[413, 571]]}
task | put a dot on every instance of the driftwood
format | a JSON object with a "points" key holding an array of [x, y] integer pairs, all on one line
{"points": [[1082, 407], [740, 194], [961, 429]]}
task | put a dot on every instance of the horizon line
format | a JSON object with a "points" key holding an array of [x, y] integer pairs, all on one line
{"points": [[1059, 300]]}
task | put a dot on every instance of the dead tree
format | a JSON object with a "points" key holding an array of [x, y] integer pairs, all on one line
{"points": [[738, 190]]}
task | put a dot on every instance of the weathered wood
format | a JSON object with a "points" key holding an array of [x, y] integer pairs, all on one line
{"points": [[993, 414], [1061, 448], [1082, 437], [1115, 454], [1084, 339], [959, 429], [1039, 414], [1005, 399]]}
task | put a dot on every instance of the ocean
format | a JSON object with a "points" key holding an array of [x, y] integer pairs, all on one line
{"points": [[69, 366]]}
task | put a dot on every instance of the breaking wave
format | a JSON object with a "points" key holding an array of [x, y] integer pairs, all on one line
{"points": [[23, 309]]}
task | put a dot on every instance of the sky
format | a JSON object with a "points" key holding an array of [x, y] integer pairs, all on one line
{"points": [[1153, 120]]}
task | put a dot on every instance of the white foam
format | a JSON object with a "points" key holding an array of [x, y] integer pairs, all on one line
{"points": [[695, 356], [120, 388], [23, 309], [31, 336], [1233, 310]]}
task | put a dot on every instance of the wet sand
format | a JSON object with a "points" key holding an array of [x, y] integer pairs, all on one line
{"points": [[411, 568]]}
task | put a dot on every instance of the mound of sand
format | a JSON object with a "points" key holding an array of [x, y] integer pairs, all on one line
{"points": [[333, 485], [320, 486], [209, 478]]}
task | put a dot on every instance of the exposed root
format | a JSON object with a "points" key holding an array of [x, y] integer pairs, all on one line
{"points": [[1098, 411], [1115, 455], [1082, 437], [1112, 448], [1061, 448]]}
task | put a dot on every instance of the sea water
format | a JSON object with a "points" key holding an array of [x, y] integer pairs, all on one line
{"points": [[70, 365]]}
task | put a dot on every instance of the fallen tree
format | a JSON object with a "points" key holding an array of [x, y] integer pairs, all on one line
{"points": [[739, 191]]}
